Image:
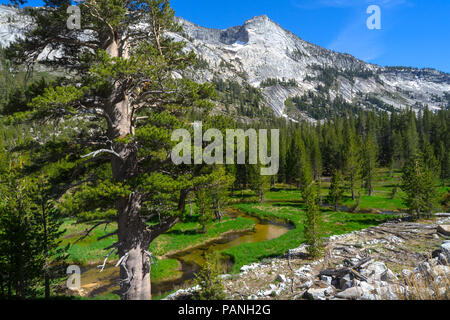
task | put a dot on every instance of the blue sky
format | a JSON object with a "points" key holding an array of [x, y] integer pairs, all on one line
{"points": [[414, 32]]}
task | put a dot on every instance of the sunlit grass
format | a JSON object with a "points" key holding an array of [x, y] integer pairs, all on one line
{"points": [[285, 202], [182, 236], [334, 223], [187, 234], [165, 269]]}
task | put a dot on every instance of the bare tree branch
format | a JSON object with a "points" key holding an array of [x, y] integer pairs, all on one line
{"points": [[96, 153], [106, 259]]}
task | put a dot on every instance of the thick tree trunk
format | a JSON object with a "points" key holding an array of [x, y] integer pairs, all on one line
{"points": [[138, 287], [133, 235], [134, 242]]}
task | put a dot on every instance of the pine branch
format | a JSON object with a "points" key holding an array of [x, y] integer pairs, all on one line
{"points": [[88, 232], [108, 235]]}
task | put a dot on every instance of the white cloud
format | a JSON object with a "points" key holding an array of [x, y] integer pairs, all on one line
{"points": [[357, 40], [354, 37]]}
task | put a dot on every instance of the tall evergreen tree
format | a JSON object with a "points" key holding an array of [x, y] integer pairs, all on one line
{"points": [[48, 220], [19, 235], [313, 224], [125, 90], [204, 208], [258, 183], [294, 166], [316, 157], [397, 153], [411, 137], [353, 162], [369, 163], [336, 190], [419, 184]]}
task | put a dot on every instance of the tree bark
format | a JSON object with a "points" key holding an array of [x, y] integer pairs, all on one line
{"points": [[370, 191], [134, 241], [133, 236]]}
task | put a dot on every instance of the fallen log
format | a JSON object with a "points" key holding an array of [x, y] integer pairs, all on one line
{"points": [[353, 270]]}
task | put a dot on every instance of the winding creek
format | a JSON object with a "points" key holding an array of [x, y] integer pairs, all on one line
{"points": [[190, 260]]}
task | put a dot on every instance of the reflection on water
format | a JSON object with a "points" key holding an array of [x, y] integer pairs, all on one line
{"points": [[190, 260]]}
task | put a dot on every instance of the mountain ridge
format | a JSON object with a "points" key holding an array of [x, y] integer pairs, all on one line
{"points": [[264, 55], [287, 56]]}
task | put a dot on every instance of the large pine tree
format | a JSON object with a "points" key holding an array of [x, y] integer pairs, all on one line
{"points": [[124, 96]]}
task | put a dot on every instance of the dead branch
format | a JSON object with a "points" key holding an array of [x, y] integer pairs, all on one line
{"points": [[96, 153], [122, 262], [353, 269], [106, 259]]}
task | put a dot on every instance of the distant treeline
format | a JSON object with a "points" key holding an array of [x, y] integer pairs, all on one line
{"points": [[357, 144]]}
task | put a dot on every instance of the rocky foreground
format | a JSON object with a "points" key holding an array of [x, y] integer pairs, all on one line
{"points": [[396, 260]]}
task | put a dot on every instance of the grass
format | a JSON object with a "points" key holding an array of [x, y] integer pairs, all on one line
{"points": [[334, 223], [165, 269], [431, 287], [89, 250], [182, 236], [187, 235], [284, 203]]}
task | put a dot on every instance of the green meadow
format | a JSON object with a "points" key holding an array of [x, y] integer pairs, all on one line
{"points": [[283, 203]]}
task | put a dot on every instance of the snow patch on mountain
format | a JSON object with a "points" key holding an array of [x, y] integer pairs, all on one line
{"points": [[260, 49]]}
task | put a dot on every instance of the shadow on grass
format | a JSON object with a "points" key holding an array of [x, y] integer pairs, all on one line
{"points": [[186, 232], [292, 204]]}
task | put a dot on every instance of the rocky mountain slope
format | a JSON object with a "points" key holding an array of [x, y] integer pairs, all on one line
{"points": [[11, 25], [263, 55], [260, 50]]}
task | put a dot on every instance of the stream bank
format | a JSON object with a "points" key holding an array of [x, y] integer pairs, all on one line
{"points": [[95, 283]]}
